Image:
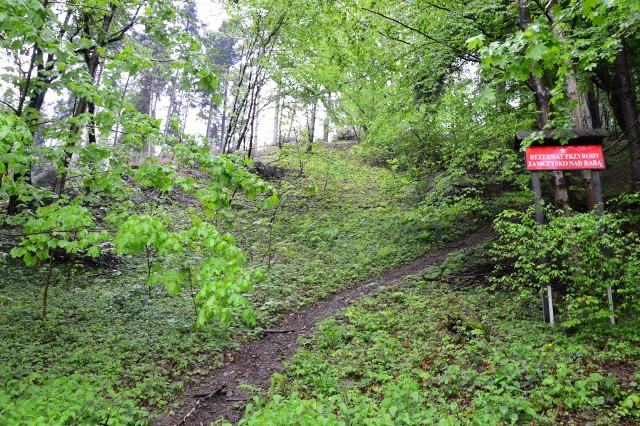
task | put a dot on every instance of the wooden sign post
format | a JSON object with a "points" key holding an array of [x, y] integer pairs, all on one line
{"points": [[582, 152]]}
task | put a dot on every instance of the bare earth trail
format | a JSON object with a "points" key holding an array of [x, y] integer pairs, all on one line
{"points": [[255, 362]]}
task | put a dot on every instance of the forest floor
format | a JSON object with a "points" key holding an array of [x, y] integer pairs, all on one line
{"points": [[375, 309], [115, 350], [248, 371]]}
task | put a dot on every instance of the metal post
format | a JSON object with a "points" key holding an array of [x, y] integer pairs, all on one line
{"points": [[552, 320]]}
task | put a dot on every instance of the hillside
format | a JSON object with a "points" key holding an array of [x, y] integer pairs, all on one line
{"points": [[116, 349]]}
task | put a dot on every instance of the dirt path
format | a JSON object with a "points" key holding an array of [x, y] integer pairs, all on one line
{"points": [[255, 362]]}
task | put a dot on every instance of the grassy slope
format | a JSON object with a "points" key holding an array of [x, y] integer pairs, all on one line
{"points": [[111, 348], [423, 354], [339, 222]]}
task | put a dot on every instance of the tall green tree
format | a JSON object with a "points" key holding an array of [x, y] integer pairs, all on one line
{"points": [[560, 49]]}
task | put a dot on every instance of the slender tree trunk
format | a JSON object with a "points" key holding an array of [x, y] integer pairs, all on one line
{"points": [[91, 131], [629, 110], [239, 98], [593, 110], [311, 123], [151, 112], [248, 107], [557, 178], [327, 122], [325, 128], [573, 96], [124, 95], [186, 105], [253, 125], [153, 99], [256, 124], [223, 120], [292, 120], [209, 134], [276, 124], [172, 102], [92, 61]]}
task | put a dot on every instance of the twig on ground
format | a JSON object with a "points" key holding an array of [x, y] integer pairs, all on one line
{"points": [[275, 331], [204, 397], [208, 395]]}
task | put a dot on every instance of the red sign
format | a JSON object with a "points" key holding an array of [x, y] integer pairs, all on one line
{"points": [[579, 157]]}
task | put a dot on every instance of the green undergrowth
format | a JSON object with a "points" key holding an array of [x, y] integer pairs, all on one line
{"points": [[115, 351], [110, 349], [421, 353]]}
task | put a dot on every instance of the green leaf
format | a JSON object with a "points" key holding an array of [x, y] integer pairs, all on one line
{"points": [[173, 287], [270, 202], [94, 252], [202, 318], [476, 42], [536, 51]]}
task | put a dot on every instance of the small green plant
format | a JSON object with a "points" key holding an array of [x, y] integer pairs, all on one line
{"points": [[66, 227], [213, 270]]}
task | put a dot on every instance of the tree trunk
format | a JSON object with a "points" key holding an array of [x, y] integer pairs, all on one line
{"points": [[292, 119], [36, 100], [172, 102], [311, 123], [247, 108], [239, 100], [124, 95], [92, 61], [325, 123], [573, 95], [575, 104], [223, 123], [276, 124], [254, 127], [186, 105], [325, 129], [593, 110], [209, 132], [628, 104], [151, 112], [557, 178], [153, 100]]}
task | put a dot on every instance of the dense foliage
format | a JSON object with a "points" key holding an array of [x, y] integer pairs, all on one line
{"points": [[581, 256]]}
